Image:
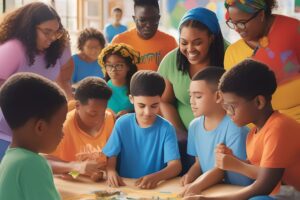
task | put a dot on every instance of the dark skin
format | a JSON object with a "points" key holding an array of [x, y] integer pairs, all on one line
{"points": [[146, 19]]}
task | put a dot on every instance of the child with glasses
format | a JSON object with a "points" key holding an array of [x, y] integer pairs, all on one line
{"points": [[119, 61], [210, 128], [90, 44]]}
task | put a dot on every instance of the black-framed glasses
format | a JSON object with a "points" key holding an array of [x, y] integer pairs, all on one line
{"points": [[229, 108], [117, 67], [50, 34], [150, 20], [241, 24]]}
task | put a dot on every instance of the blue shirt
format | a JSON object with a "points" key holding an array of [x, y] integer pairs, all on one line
{"points": [[83, 69], [141, 151], [202, 144], [119, 99], [110, 31]]}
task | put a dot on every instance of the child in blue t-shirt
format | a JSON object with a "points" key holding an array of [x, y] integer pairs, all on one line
{"points": [[211, 127], [114, 28], [90, 44], [35, 109], [143, 145]]}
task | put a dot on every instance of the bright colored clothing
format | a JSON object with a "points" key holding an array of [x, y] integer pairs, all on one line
{"points": [[181, 84], [13, 59], [119, 100], [202, 144], [83, 69], [25, 175], [78, 145], [152, 51], [142, 151], [277, 145], [282, 55], [110, 31]]}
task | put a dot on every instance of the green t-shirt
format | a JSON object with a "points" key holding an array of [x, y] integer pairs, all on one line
{"points": [[119, 100], [25, 175], [181, 84]]}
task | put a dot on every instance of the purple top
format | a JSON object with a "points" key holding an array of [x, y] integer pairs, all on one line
{"points": [[13, 59]]}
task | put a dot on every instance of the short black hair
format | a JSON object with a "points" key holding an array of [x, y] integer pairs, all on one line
{"points": [[147, 83], [92, 88], [27, 95], [210, 75], [216, 50], [88, 34], [117, 10], [153, 3], [249, 79]]}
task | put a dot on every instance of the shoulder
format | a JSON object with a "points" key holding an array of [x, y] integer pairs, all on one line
{"points": [[168, 63], [285, 19], [13, 45], [165, 35], [125, 119], [233, 129], [235, 45], [280, 123], [195, 124]]}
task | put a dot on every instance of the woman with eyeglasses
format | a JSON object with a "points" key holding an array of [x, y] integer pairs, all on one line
{"points": [[272, 39], [32, 39], [119, 62]]}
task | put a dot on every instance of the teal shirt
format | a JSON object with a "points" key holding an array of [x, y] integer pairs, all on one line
{"points": [[119, 100], [181, 84], [25, 175]]}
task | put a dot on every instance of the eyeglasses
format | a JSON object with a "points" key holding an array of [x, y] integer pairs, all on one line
{"points": [[52, 34], [117, 67], [229, 108], [241, 24], [150, 20]]}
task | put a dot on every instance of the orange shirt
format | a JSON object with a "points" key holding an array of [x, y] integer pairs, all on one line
{"points": [[277, 145], [77, 145], [152, 50]]}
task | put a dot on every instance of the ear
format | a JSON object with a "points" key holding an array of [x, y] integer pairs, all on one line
{"points": [[131, 99], [218, 97], [40, 126], [260, 102]]}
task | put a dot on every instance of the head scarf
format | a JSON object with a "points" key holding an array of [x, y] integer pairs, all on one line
{"points": [[248, 6], [203, 16]]}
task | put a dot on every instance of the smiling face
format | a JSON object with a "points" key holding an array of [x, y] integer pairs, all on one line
{"points": [[146, 20], [194, 44], [146, 109], [47, 32], [116, 68], [92, 48]]}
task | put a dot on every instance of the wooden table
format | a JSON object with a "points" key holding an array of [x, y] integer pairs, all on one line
{"points": [[75, 190]]}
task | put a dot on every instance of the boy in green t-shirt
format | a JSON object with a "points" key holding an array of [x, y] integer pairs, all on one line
{"points": [[35, 109]]}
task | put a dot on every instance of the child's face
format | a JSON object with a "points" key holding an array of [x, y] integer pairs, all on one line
{"points": [[117, 16], [203, 98], [92, 48], [92, 113], [116, 68], [241, 111], [146, 109], [53, 131]]}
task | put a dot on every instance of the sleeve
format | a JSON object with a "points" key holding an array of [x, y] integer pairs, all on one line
{"points": [[191, 148], [65, 56], [236, 141], [228, 60], [113, 145], [41, 181], [12, 57], [171, 151]]}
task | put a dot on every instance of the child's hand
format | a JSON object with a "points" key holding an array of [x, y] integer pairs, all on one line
{"points": [[189, 190], [113, 179], [147, 182], [226, 161], [222, 148], [185, 180]]}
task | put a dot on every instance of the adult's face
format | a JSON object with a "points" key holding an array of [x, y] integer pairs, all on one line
{"points": [[146, 20]]}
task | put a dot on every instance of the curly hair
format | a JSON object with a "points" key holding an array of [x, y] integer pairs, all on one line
{"points": [[87, 34], [130, 56], [21, 24]]}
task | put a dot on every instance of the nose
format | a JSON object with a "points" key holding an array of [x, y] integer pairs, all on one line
{"points": [[192, 100], [147, 111], [190, 48]]}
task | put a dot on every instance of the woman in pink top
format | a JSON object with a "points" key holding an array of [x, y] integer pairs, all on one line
{"points": [[32, 39]]}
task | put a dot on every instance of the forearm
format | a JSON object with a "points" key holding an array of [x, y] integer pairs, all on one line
{"points": [[111, 163], [172, 170], [169, 112], [209, 178], [246, 169], [195, 171], [61, 167]]}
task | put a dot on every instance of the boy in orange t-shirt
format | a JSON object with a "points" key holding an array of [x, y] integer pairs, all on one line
{"points": [[151, 43], [86, 131], [272, 146]]}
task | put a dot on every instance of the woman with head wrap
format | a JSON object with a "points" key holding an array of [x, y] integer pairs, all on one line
{"points": [[271, 39], [201, 45]]}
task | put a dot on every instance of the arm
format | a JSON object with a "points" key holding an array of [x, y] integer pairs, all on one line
{"points": [[150, 181], [64, 78], [113, 179], [168, 109], [193, 173]]}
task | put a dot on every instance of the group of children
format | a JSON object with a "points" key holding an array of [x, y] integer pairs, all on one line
{"points": [[142, 144]]}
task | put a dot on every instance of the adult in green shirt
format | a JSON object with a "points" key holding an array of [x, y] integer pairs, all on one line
{"points": [[201, 45]]}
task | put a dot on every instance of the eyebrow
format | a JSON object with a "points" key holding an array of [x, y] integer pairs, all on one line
{"points": [[192, 40]]}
